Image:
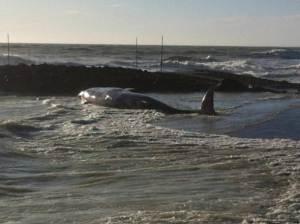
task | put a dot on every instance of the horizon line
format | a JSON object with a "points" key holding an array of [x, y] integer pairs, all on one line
{"points": [[170, 45]]}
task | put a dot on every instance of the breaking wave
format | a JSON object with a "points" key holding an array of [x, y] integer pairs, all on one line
{"points": [[187, 60], [278, 53], [295, 66], [15, 60], [239, 66]]}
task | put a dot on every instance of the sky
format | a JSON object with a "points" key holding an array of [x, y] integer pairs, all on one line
{"points": [[182, 22]]}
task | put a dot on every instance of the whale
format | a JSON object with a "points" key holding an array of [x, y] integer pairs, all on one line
{"points": [[127, 99]]}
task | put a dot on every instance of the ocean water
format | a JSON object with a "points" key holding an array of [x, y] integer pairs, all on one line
{"points": [[274, 63], [64, 162]]}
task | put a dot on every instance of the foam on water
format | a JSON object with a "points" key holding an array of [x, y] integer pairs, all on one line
{"points": [[283, 53], [15, 60], [93, 164]]}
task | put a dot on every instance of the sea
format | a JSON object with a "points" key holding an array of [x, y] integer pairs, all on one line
{"points": [[64, 162]]}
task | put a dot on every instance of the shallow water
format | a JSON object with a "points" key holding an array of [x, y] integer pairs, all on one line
{"points": [[285, 125], [236, 112], [63, 162]]}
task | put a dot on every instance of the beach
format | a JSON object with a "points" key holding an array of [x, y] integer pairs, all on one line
{"points": [[65, 162]]}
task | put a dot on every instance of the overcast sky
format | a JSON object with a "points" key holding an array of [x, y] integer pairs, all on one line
{"points": [[182, 22]]}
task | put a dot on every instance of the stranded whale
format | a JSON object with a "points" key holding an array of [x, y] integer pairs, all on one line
{"points": [[125, 99]]}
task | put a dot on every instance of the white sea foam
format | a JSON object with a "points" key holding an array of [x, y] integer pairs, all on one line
{"points": [[92, 157], [295, 66], [271, 52], [14, 60], [237, 66]]}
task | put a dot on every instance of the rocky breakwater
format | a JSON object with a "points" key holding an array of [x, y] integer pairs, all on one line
{"points": [[230, 82], [48, 79]]}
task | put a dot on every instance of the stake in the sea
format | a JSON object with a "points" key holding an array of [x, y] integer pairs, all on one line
{"points": [[125, 99], [8, 49]]}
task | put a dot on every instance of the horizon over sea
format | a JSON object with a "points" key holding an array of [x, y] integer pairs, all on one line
{"points": [[65, 162], [153, 44]]}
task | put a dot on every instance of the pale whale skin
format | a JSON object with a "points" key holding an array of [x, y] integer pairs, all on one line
{"points": [[125, 99]]}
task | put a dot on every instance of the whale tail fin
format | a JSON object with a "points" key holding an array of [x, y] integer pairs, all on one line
{"points": [[207, 106]]}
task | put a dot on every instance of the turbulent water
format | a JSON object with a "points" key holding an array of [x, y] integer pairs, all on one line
{"points": [[63, 162], [278, 63]]}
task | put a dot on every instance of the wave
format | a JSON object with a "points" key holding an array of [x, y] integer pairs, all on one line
{"points": [[269, 52], [78, 48], [278, 53], [273, 51], [179, 58], [18, 129], [295, 66], [191, 52], [15, 60], [119, 63], [74, 64], [188, 58], [237, 66], [281, 76], [188, 61]]}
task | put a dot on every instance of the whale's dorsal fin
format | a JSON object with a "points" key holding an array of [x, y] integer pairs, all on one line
{"points": [[207, 106]]}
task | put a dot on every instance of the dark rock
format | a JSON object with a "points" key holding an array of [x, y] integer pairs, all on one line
{"points": [[66, 80], [238, 83], [231, 85], [48, 79]]}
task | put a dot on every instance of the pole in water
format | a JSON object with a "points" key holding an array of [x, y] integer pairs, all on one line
{"points": [[136, 53], [162, 54], [8, 50]]}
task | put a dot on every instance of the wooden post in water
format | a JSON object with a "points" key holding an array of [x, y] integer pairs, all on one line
{"points": [[136, 53], [8, 50], [162, 54]]}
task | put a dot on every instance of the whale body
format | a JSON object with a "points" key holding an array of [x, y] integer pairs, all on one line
{"points": [[126, 99]]}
